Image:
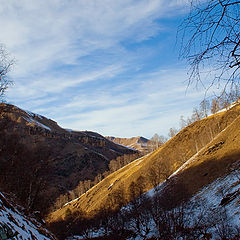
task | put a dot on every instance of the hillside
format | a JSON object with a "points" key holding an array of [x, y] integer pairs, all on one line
{"points": [[39, 160], [203, 152], [212, 213], [139, 143], [15, 224]]}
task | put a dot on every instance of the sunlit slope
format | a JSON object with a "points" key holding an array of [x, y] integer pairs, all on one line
{"points": [[196, 138], [218, 159]]}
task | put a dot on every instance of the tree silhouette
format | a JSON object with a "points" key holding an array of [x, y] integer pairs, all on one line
{"points": [[210, 40], [5, 66]]}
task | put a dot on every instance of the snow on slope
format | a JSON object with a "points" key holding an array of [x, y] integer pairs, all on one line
{"points": [[35, 122], [223, 194], [218, 202], [19, 225], [215, 209], [126, 146], [33, 114]]}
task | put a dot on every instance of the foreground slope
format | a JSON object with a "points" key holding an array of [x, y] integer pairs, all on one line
{"points": [[207, 147], [212, 213], [15, 224], [40, 160]]}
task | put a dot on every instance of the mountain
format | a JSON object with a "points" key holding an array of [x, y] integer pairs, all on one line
{"points": [[16, 225], [189, 188], [39, 160], [196, 157], [139, 143]]}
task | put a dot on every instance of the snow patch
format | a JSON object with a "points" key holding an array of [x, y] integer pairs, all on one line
{"points": [[227, 108], [113, 150], [214, 194], [110, 186], [71, 201], [34, 114], [126, 146], [31, 114], [35, 122], [21, 226], [187, 163], [69, 130]]}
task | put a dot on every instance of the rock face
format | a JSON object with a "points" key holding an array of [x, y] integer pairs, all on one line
{"points": [[139, 143], [40, 160]]}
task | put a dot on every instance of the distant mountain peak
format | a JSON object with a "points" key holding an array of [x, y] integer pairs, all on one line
{"points": [[139, 143]]}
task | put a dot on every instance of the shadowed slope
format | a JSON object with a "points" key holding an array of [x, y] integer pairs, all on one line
{"points": [[40, 160], [15, 225]]}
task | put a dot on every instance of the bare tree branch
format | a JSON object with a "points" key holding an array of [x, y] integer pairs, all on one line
{"points": [[5, 66], [210, 41]]}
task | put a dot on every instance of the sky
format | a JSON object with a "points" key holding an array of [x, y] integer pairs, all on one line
{"points": [[109, 66]]}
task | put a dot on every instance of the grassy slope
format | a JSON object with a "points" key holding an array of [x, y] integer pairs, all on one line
{"points": [[200, 137], [213, 161]]}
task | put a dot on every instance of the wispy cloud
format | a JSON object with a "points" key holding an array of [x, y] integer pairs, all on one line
{"points": [[99, 65], [151, 103], [42, 34], [42, 86]]}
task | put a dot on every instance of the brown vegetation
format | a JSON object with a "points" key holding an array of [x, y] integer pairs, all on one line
{"points": [[150, 218], [198, 137], [39, 160]]}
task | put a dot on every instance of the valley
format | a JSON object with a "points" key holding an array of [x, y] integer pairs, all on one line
{"points": [[120, 120], [51, 161]]}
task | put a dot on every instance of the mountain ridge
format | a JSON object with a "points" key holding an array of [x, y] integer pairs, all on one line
{"points": [[44, 160]]}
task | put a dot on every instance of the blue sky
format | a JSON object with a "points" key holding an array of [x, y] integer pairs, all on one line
{"points": [[100, 65]]}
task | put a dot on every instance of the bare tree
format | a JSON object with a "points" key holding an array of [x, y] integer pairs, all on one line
{"points": [[234, 94], [204, 107], [196, 115], [210, 40], [172, 132], [158, 173], [215, 106], [5, 66], [182, 122], [156, 141]]}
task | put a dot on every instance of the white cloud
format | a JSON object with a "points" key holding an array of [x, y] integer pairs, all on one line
{"points": [[43, 33], [73, 64], [45, 85], [152, 103]]}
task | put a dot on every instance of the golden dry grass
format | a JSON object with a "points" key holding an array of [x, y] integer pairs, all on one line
{"points": [[213, 161], [200, 137]]}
